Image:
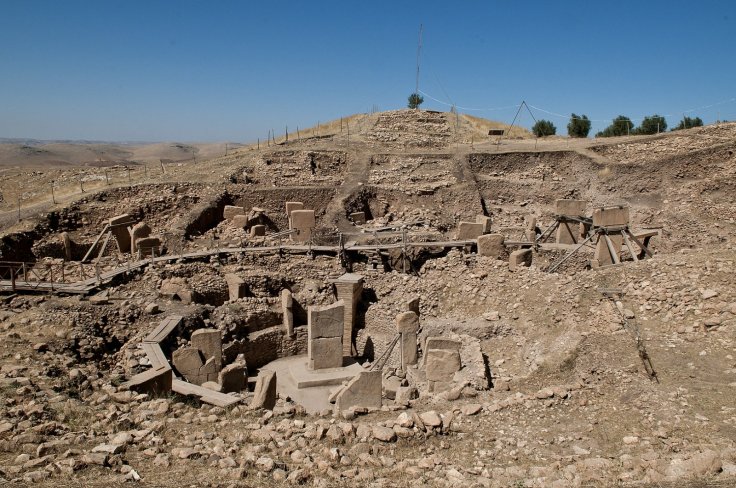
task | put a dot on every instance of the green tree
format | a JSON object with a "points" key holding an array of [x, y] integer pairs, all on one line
{"points": [[544, 128], [415, 100], [688, 122], [653, 124], [620, 126], [579, 126]]}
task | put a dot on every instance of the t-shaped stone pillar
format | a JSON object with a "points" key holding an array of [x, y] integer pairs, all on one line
{"points": [[407, 324], [349, 288]]}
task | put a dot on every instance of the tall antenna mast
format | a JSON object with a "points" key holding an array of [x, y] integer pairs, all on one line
{"points": [[419, 49]]}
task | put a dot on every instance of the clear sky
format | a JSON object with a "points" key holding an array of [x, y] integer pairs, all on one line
{"points": [[195, 70]]}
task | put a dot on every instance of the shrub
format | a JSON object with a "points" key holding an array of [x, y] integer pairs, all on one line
{"points": [[688, 122], [620, 126], [415, 100], [578, 126], [544, 128]]}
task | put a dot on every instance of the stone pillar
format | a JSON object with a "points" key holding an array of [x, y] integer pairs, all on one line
{"points": [[287, 305], [349, 288], [568, 231], [609, 217], [325, 327], [491, 245], [120, 231], [231, 211], [209, 342], [486, 221], [520, 257], [138, 231], [358, 218], [407, 324], [236, 286], [258, 230], [303, 221], [412, 305], [469, 230], [67, 244], [290, 207], [530, 229]]}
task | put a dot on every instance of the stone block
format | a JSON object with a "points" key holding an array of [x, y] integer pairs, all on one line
{"points": [[407, 322], [364, 391], [258, 230], [287, 307], [442, 343], [239, 221], [233, 378], [568, 232], [469, 230], [602, 255], [358, 218], [148, 245], [486, 221], [610, 216], [209, 342], [442, 364], [66, 243], [291, 206], [572, 208], [188, 361], [237, 287], [138, 231], [520, 257], [303, 221], [412, 305], [491, 245], [264, 395], [120, 231], [326, 320], [231, 211], [325, 353], [209, 371], [530, 222]]}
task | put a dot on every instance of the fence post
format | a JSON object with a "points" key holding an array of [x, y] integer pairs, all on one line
{"points": [[12, 277], [53, 196]]}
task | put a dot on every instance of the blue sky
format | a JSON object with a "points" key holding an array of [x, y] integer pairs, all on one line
{"points": [[231, 70]]}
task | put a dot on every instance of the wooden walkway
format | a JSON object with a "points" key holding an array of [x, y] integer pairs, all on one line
{"points": [[87, 285]]}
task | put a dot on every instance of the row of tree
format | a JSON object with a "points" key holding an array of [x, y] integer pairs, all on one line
{"points": [[579, 126]]}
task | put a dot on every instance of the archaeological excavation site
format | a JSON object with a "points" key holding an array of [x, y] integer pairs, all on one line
{"points": [[394, 299]]}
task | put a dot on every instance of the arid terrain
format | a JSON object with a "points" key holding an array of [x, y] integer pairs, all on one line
{"points": [[552, 388]]}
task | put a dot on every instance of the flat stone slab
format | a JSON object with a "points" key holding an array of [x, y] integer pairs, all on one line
{"points": [[306, 378]]}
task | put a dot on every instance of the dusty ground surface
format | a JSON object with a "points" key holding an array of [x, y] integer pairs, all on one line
{"points": [[570, 403]]}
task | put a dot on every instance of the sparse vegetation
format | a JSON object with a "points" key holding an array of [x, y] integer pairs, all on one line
{"points": [[415, 100], [621, 126], [544, 128], [579, 126]]}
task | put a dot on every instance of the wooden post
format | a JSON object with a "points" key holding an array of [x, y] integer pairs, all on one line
{"points": [[81, 184], [259, 144], [128, 171], [12, 277], [163, 171], [287, 134], [53, 196], [107, 178], [25, 273], [298, 137], [18, 208]]}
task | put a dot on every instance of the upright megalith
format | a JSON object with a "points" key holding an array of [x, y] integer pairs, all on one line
{"points": [[491, 245], [233, 378], [530, 228], [441, 362], [363, 390], [569, 214], [469, 230], [486, 221], [66, 243], [119, 228], [324, 336], [302, 221], [608, 247], [209, 342], [412, 305], [258, 230], [520, 258], [236, 286], [264, 395], [138, 231], [287, 307], [407, 325], [349, 288], [230, 211], [290, 207]]}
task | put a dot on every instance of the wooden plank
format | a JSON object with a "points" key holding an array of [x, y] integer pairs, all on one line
{"points": [[104, 247], [94, 244], [164, 329], [207, 396], [630, 246]]}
